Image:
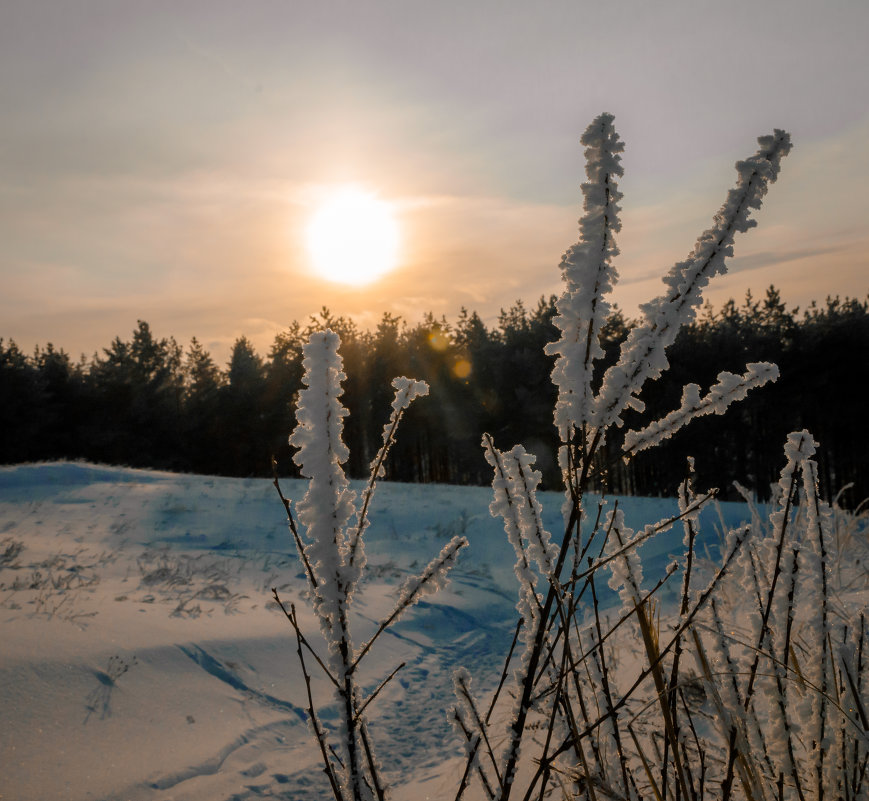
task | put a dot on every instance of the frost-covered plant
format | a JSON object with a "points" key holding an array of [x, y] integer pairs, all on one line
{"points": [[730, 388], [589, 274], [643, 354], [794, 719], [778, 706], [563, 684], [330, 541]]}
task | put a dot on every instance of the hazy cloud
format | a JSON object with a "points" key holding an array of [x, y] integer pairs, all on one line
{"points": [[766, 258]]}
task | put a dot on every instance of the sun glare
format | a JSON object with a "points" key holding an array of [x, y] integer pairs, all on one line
{"points": [[353, 237]]}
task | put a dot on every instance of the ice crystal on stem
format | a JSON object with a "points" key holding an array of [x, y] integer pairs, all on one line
{"points": [[730, 388], [511, 501], [643, 354], [406, 391], [328, 504], [435, 575], [583, 420], [626, 568], [589, 274], [333, 554]]}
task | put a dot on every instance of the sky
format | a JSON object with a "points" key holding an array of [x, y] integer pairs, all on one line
{"points": [[161, 161]]}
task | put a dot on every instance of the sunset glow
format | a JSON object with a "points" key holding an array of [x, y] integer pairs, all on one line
{"points": [[218, 172]]}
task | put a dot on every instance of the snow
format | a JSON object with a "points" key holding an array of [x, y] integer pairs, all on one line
{"points": [[729, 388], [142, 657], [643, 353], [589, 274]]}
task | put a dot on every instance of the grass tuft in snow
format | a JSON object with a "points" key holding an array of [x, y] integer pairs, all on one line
{"points": [[752, 684]]}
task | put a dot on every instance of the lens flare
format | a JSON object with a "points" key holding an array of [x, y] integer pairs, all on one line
{"points": [[438, 340], [462, 368]]}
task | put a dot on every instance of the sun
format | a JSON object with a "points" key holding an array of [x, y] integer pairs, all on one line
{"points": [[353, 237]]}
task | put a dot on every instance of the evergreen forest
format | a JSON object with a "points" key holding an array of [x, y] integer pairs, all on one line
{"points": [[149, 402]]}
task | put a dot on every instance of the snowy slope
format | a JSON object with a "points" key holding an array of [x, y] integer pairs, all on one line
{"points": [[141, 655]]}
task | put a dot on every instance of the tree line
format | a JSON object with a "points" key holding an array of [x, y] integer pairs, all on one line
{"points": [[149, 402]]}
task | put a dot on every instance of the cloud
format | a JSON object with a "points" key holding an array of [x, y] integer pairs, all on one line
{"points": [[766, 258], [157, 165]]}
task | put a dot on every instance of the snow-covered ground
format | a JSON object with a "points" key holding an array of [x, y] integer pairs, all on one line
{"points": [[142, 656]]}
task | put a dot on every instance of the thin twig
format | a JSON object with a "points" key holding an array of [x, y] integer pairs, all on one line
{"points": [[650, 532], [519, 624], [300, 546], [377, 691], [644, 674], [481, 726], [475, 745], [315, 723], [302, 637], [402, 605], [379, 787]]}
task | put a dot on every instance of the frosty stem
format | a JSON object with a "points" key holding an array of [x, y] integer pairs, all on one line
{"points": [[332, 552]]}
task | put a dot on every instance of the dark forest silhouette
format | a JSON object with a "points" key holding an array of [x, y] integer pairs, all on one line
{"points": [[147, 402]]}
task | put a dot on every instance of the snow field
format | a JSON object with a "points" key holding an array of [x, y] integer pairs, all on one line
{"points": [[141, 655]]}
